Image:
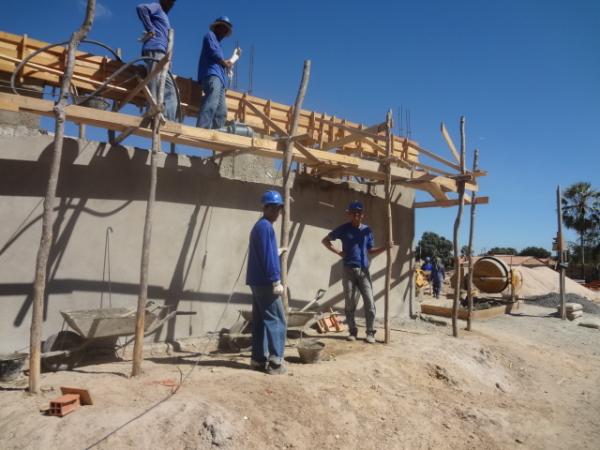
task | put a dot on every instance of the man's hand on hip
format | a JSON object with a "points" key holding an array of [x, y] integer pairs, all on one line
{"points": [[277, 288]]}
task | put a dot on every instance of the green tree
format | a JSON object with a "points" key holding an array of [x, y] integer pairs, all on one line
{"points": [[502, 251], [581, 212], [435, 246], [537, 252]]}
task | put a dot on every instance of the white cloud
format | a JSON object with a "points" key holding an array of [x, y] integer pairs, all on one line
{"points": [[102, 12]]}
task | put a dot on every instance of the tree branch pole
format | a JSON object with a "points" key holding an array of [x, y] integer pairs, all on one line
{"points": [[461, 203], [39, 285], [470, 255], [561, 260], [389, 227], [138, 346], [287, 181]]}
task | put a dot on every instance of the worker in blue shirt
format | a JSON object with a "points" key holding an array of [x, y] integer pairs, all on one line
{"points": [[212, 75], [357, 245], [438, 274], [156, 25], [264, 278]]}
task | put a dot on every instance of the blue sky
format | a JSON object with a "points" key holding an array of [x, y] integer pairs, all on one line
{"points": [[525, 73]]}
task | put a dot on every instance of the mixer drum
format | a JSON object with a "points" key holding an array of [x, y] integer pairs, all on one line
{"points": [[491, 275]]}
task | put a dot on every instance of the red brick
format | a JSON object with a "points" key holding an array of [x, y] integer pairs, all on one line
{"points": [[64, 405]]}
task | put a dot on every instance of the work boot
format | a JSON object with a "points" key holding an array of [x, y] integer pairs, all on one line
{"points": [[370, 338], [276, 369], [259, 366]]}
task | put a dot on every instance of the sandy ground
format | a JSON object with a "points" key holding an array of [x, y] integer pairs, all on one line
{"points": [[523, 381]]}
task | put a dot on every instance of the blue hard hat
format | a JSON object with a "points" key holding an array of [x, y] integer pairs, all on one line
{"points": [[271, 198], [223, 20], [355, 206]]}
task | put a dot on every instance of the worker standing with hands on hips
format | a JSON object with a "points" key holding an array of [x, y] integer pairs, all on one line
{"points": [[155, 38], [357, 244], [263, 275], [212, 74]]}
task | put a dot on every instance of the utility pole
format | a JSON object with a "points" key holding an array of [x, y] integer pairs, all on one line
{"points": [[471, 235], [39, 284], [389, 150], [561, 253], [287, 181], [461, 202], [138, 346]]}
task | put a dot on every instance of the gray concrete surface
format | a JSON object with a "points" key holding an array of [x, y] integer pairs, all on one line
{"points": [[203, 215]]}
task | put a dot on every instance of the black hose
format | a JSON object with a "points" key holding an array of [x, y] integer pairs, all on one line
{"points": [[105, 83]]}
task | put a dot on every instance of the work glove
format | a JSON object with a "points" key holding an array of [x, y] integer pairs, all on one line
{"points": [[277, 288], [145, 36]]}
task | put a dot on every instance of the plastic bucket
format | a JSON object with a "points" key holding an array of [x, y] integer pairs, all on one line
{"points": [[310, 350], [11, 365]]}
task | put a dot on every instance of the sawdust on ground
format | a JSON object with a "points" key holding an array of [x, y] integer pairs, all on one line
{"points": [[524, 381]]}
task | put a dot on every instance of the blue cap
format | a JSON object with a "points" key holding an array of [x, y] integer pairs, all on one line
{"points": [[223, 20], [271, 198], [355, 206]]}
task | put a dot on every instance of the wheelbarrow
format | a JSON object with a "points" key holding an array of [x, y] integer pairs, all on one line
{"points": [[97, 331]]}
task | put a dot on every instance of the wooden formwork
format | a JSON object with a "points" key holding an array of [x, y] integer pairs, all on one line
{"points": [[328, 146]]}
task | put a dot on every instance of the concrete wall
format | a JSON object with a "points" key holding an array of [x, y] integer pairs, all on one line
{"points": [[203, 215]]}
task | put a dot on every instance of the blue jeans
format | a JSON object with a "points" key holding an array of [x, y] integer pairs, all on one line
{"points": [[357, 280], [268, 325], [213, 108], [170, 99]]}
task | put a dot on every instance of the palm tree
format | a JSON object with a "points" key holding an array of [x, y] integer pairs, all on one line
{"points": [[581, 212]]}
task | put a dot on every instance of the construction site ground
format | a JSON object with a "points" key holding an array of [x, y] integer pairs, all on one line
{"points": [[522, 381]]}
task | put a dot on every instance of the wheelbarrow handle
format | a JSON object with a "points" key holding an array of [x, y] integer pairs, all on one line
{"points": [[186, 313]]}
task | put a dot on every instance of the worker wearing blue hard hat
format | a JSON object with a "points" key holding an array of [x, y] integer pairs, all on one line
{"points": [[212, 74], [264, 278], [357, 244]]}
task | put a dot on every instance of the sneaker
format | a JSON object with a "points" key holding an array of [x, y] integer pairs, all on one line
{"points": [[259, 366], [351, 337], [276, 369], [370, 339]]}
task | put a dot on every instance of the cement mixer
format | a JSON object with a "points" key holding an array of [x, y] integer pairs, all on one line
{"points": [[492, 276]]}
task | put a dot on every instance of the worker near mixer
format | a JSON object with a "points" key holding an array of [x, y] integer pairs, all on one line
{"points": [[155, 38], [357, 244], [213, 71], [264, 278]]}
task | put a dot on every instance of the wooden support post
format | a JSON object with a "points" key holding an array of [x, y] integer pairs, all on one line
{"points": [[389, 227], [461, 201], [561, 253], [82, 131], [287, 181], [138, 346], [39, 285], [470, 256]]}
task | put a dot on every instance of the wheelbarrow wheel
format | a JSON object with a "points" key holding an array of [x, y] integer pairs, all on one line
{"points": [[63, 340]]}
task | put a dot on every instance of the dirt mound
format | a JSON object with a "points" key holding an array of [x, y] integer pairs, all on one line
{"points": [[541, 281]]}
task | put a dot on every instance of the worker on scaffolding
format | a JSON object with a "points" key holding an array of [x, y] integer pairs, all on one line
{"points": [[155, 39], [212, 74], [357, 243], [264, 278]]}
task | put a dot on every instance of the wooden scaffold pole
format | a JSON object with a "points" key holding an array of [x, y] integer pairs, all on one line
{"points": [[39, 285], [389, 150], [138, 346], [470, 247], [287, 181], [561, 254], [461, 203]]}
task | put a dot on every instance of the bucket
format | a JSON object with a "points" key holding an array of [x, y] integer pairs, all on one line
{"points": [[310, 350], [11, 365]]}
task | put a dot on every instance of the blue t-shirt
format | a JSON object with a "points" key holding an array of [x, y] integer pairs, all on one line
{"points": [[263, 259], [356, 243], [209, 59], [155, 20], [427, 266]]}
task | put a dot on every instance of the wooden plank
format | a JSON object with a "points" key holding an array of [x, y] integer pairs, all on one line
{"points": [[448, 140], [447, 203]]}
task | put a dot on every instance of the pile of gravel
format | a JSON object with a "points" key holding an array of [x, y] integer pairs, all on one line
{"points": [[553, 301]]}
